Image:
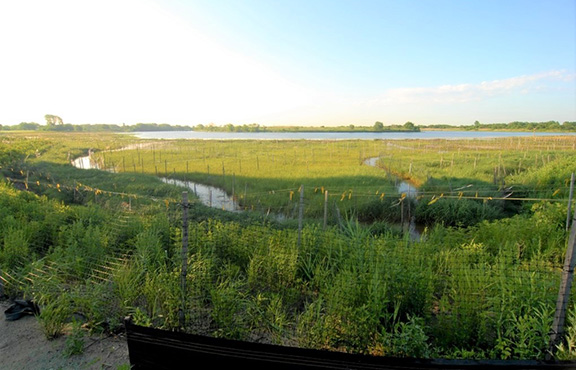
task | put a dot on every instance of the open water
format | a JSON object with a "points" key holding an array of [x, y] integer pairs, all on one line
{"points": [[432, 134]]}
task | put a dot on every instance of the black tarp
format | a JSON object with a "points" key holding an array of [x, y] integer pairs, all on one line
{"points": [[161, 349]]}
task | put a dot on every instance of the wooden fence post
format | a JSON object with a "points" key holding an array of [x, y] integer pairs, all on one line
{"points": [[182, 312], [557, 332], [338, 216], [570, 201], [300, 214], [402, 213], [325, 208], [233, 190]]}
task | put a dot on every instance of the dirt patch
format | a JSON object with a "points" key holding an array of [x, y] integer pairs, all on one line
{"points": [[24, 346]]}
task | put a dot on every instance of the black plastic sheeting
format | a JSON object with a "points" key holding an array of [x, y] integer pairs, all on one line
{"points": [[160, 349], [21, 308]]}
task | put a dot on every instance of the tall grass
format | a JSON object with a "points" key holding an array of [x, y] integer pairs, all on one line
{"points": [[485, 290], [266, 175]]}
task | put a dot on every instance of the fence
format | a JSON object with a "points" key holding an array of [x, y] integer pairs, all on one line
{"points": [[418, 283], [488, 292]]}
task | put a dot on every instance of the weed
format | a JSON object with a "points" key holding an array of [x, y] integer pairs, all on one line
{"points": [[53, 316], [74, 344]]}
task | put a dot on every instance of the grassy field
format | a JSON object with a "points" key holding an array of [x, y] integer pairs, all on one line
{"points": [[481, 282], [266, 175]]}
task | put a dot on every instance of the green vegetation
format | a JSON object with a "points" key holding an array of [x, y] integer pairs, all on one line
{"points": [[266, 175], [481, 282], [377, 127], [548, 126], [460, 182], [55, 123]]}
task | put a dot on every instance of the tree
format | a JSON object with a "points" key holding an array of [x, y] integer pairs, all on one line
{"points": [[409, 126], [378, 126], [254, 127], [52, 120], [476, 125], [27, 126], [569, 125]]}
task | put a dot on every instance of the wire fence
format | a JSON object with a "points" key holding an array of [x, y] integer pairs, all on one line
{"points": [[488, 292]]}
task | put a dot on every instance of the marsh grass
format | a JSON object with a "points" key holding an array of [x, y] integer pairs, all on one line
{"points": [[266, 175], [481, 290], [263, 174]]}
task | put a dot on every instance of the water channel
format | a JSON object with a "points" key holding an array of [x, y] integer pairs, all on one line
{"points": [[218, 198], [215, 197], [210, 196]]}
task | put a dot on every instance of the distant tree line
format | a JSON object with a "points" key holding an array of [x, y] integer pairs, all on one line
{"points": [[254, 127], [377, 127], [55, 123], [551, 126], [98, 127]]}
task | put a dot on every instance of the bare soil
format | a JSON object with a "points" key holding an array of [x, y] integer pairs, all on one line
{"points": [[24, 346]]}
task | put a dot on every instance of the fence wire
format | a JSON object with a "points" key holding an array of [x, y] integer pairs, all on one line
{"points": [[488, 291]]}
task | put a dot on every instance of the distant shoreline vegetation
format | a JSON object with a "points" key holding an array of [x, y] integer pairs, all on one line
{"points": [[54, 123], [377, 127], [550, 126]]}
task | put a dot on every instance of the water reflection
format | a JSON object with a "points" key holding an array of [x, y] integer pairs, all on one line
{"points": [[84, 163], [411, 227], [215, 197], [209, 195], [402, 186]]}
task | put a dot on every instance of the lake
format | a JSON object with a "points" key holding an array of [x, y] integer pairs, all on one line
{"points": [[432, 134]]}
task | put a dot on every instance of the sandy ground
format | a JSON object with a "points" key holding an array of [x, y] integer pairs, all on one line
{"points": [[24, 346]]}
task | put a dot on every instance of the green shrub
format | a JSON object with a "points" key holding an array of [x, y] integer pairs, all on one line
{"points": [[15, 252]]}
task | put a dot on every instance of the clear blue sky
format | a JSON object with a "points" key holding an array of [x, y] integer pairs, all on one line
{"points": [[299, 62]]}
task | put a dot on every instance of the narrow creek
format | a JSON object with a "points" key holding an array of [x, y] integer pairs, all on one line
{"points": [[210, 196], [404, 187], [215, 197]]}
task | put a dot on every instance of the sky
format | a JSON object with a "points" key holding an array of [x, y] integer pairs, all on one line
{"points": [[288, 62]]}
